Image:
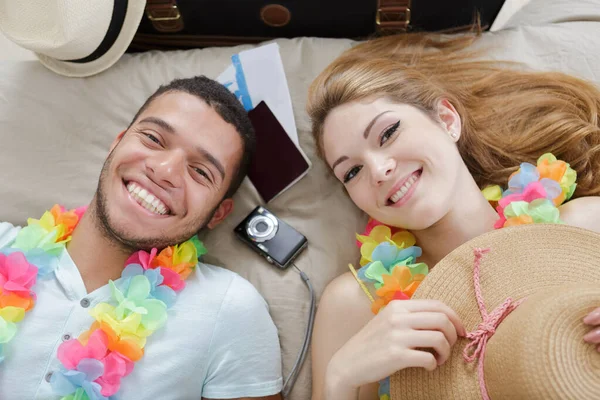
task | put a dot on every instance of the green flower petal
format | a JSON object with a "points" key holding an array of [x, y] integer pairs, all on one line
{"points": [[156, 314], [7, 330], [375, 270], [418, 269], [139, 288]]}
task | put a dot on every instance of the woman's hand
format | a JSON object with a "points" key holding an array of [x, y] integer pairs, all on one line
{"points": [[397, 338], [593, 319]]}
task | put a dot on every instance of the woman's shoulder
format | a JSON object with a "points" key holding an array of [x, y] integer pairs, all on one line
{"points": [[583, 212], [345, 293]]}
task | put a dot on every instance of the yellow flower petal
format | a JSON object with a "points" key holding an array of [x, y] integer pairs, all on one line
{"points": [[12, 314], [404, 239], [362, 238], [380, 233], [367, 249], [492, 193]]}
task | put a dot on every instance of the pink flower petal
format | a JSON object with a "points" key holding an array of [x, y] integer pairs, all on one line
{"points": [[80, 211], [142, 257], [116, 366], [71, 352], [172, 279]]}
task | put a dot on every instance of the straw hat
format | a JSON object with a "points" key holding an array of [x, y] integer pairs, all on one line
{"points": [[537, 350], [74, 38]]}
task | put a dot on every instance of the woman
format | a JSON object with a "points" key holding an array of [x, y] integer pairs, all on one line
{"points": [[414, 126]]}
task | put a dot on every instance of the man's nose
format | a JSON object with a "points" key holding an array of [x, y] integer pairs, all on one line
{"points": [[167, 168]]}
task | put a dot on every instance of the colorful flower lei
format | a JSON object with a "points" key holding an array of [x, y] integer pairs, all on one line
{"points": [[534, 193], [389, 255], [94, 363]]}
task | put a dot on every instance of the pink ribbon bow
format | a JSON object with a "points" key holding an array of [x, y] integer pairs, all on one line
{"points": [[486, 329]]}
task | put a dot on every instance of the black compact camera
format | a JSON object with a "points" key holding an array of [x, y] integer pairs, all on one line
{"points": [[272, 238]]}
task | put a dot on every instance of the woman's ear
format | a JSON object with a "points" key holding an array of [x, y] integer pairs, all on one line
{"points": [[450, 119]]}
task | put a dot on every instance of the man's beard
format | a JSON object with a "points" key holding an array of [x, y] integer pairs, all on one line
{"points": [[125, 240]]}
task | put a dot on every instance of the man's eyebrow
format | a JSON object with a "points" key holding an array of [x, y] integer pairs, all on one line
{"points": [[370, 125], [213, 160], [160, 122]]}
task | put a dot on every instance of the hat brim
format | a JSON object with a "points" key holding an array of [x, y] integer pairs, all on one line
{"points": [[133, 16], [522, 261]]}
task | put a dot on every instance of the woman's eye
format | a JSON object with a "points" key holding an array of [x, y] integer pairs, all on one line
{"points": [[152, 137], [351, 174], [388, 133]]}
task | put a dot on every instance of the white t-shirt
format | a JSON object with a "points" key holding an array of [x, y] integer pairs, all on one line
{"points": [[219, 340]]}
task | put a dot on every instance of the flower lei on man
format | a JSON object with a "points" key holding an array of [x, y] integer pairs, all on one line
{"points": [[93, 364], [389, 255]]}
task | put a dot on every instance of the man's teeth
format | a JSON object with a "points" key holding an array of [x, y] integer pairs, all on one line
{"points": [[402, 191], [146, 199]]}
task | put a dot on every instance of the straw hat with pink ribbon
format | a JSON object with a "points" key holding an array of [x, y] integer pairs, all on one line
{"points": [[522, 294]]}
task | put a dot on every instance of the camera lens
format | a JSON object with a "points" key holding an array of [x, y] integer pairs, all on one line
{"points": [[262, 227]]}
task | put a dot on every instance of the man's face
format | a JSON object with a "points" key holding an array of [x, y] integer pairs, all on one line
{"points": [[167, 175]]}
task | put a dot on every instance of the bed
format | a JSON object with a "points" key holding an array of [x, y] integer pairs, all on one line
{"points": [[55, 133]]}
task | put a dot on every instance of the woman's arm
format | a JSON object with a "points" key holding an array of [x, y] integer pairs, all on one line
{"points": [[583, 212], [343, 311], [352, 350]]}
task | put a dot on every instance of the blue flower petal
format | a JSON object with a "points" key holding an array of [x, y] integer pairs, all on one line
{"points": [[386, 253], [553, 189], [92, 368], [153, 277], [413, 251], [132, 270], [527, 174], [93, 390], [65, 382], [165, 294], [384, 387]]}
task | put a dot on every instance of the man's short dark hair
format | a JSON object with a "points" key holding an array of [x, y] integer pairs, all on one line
{"points": [[227, 106]]}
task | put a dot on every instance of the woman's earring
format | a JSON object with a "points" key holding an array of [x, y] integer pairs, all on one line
{"points": [[454, 135]]}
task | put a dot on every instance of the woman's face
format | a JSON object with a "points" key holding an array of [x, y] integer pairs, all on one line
{"points": [[397, 163]]}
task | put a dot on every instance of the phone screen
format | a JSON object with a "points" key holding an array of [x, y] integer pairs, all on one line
{"points": [[277, 162]]}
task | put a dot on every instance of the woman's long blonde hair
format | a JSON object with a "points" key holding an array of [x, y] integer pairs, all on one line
{"points": [[508, 115]]}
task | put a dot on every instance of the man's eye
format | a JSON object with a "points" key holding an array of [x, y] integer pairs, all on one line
{"points": [[200, 171], [152, 137], [351, 174]]}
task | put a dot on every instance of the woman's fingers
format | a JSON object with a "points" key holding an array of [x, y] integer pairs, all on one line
{"points": [[422, 359], [593, 318], [434, 306], [433, 321], [430, 339]]}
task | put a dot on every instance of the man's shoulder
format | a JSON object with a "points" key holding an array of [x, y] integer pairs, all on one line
{"points": [[231, 287], [8, 233]]}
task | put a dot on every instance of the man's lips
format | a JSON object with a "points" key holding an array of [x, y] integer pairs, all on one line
{"points": [[146, 198]]}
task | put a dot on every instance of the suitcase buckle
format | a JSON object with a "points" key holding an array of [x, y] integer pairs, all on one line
{"points": [[393, 18], [163, 12]]}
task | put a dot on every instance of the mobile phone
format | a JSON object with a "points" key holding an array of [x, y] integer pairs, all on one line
{"points": [[271, 237], [277, 163]]}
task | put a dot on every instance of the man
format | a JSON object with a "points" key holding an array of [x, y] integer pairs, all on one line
{"points": [[172, 173]]}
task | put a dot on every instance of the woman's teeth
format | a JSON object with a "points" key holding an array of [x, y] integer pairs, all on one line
{"points": [[404, 189], [146, 199]]}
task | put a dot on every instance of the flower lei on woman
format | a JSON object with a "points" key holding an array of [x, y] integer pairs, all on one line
{"points": [[389, 255], [93, 364]]}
